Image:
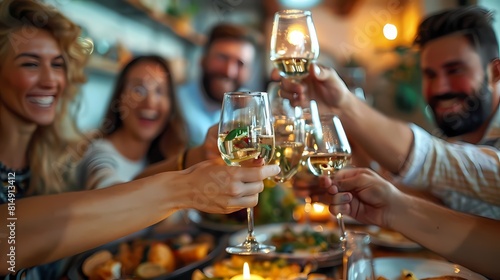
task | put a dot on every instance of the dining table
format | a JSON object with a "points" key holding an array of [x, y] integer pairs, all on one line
{"points": [[335, 272]]}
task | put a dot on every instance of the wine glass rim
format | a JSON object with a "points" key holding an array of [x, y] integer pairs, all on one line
{"points": [[294, 12], [246, 93]]}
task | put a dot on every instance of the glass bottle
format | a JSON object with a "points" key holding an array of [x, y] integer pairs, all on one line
{"points": [[358, 260]]}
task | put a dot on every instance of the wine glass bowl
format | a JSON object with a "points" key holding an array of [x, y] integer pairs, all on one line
{"points": [[294, 43], [332, 150], [246, 133], [289, 137]]}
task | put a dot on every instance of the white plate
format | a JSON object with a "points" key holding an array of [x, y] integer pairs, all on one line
{"points": [[391, 239], [264, 233], [391, 268]]}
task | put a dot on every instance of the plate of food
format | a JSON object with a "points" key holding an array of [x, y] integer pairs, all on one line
{"points": [[161, 257], [414, 269], [391, 239], [297, 242]]}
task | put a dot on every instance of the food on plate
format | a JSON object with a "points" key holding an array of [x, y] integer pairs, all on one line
{"points": [[145, 259], [193, 252], [161, 254], [148, 270], [409, 275], [130, 255], [307, 240], [96, 259], [108, 270]]}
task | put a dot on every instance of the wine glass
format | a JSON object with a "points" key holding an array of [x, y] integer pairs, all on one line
{"points": [[246, 133], [332, 152], [294, 44], [289, 131]]}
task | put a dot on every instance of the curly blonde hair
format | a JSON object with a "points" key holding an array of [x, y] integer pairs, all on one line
{"points": [[52, 146]]}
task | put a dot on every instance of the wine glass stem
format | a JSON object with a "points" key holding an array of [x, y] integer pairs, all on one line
{"points": [[340, 220], [250, 223]]}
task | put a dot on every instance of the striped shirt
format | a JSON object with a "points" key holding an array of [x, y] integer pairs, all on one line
{"points": [[466, 177]]}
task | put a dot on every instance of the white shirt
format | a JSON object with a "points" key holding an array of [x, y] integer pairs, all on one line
{"points": [[103, 166], [466, 177], [199, 111]]}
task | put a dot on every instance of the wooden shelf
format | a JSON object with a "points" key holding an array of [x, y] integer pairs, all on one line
{"points": [[135, 10], [103, 65]]}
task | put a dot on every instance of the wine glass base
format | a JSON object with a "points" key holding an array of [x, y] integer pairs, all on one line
{"points": [[250, 248]]}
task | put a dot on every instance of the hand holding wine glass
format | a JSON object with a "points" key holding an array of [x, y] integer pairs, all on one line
{"points": [[246, 134], [294, 44]]}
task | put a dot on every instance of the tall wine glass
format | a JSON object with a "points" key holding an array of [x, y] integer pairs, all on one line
{"points": [[246, 133], [332, 152], [294, 44]]}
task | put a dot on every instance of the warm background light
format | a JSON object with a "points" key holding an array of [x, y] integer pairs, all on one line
{"points": [[390, 31]]}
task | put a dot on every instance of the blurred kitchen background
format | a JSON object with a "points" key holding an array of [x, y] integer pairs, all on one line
{"points": [[367, 41]]}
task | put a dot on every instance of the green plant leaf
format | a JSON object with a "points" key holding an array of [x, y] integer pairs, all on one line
{"points": [[235, 133]]}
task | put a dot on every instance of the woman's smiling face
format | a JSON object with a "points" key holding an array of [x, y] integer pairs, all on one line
{"points": [[33, 78], [145, 103]]}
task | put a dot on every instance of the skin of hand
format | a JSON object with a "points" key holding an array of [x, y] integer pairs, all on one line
{"points": [[322, 84], [217, 188], [66, 224], [208, 150], [362, 194], [469, 240]]}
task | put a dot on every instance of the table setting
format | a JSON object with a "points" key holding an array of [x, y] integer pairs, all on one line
{"points": [[282, 238]]}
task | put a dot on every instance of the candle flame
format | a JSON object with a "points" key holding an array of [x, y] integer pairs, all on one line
{"points": [[246, 271], [318, 207]]}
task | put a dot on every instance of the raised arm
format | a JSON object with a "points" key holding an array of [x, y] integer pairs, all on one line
{"points": [[465, 239], [379, 135], [56, 226]]}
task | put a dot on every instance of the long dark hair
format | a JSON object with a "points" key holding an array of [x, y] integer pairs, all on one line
{"points": [[174, 127]]}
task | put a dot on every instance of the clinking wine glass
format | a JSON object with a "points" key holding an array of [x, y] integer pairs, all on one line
{"points": [[289, 131], [246, 133], [332, 152], [294, 43]]}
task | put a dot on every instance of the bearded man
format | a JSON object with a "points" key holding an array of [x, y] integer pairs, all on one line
{"points": [[228, 58], [461, 83]]}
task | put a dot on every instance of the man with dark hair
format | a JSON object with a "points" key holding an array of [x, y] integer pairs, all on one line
{"points": [[226, 63], [461, 83]]}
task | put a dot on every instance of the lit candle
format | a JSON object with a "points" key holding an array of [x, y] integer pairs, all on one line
{"points": [[246, 274]]}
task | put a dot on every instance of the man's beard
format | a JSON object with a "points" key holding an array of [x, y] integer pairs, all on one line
{"points": [[207, 80], [476, 111]]}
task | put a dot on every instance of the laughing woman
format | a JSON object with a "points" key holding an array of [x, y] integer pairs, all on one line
{"points": [[140, 116], [41, 63]]}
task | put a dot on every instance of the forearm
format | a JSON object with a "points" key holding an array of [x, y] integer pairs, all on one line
{"points": [[170, 164], [52, 227], [465, 239], [385, 140]]}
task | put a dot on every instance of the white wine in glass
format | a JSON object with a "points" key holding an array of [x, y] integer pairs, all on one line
{"points": [[246, 134], [289, 136], [332, 152], [294, 43]]}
